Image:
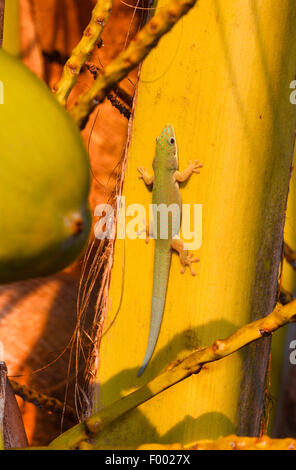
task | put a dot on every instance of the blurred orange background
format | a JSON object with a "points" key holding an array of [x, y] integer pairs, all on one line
{"points": [[37, 318]]}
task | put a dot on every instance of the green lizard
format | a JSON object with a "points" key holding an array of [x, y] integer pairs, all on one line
{"points": [[165, 191]]}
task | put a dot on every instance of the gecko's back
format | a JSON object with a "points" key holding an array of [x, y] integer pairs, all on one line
{"points": [[167, 205]]}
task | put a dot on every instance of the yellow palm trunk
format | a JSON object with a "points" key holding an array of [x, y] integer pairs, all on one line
{"points": [[221, 78]]}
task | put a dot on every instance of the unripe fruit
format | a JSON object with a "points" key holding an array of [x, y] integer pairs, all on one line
{"points": [[44, 178]]}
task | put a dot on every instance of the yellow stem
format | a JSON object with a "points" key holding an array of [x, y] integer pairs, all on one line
{"points": [[176, 372], [83, 50]]}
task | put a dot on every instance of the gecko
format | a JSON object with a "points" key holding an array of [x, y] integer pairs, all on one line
{"points": [[165, 182]]}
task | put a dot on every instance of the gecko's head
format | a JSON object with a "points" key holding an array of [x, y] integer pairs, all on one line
{"points": [[166, 149]]}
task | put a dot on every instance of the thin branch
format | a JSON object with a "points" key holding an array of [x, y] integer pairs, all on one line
{"points": [[120, 92], [290, 255], [2, 7], [83, 50], [175, 373], [149, 36], [285, 296], [43, 401], [119, 106]]}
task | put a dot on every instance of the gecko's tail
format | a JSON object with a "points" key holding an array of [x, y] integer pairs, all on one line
{"points": [[155, 324]]}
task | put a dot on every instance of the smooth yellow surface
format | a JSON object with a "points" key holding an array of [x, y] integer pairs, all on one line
{"points": [[221, 78], [11, 36]]}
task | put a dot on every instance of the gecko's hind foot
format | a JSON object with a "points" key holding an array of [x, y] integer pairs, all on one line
{"points": [[186, 259]]}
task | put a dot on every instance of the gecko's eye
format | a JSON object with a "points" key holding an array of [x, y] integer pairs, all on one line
{"points": [[172, 140]]}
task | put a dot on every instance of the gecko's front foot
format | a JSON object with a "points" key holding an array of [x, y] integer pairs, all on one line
{"points": [[144, 175], [186, 259], [195, 166]]}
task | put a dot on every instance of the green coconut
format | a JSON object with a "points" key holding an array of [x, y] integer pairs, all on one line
{"points": [[44, 178]]}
